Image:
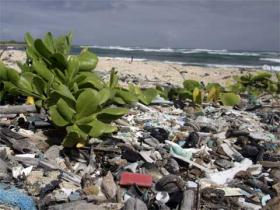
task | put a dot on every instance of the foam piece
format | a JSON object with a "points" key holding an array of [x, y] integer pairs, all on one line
{"points": [[11, 196]]}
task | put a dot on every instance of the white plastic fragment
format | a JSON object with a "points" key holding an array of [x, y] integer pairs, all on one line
{"points": [[156, 155], [176, 149], [68, 187], [16, 171], [23, 132], [222, 177], [230, 151], [20, 171], [160, 100], [146, 155], [163, 197], [259, 136], [126, 197], [255, 169], [142, 107], [191, 184], [132, 167], [265, 199], [232, 191], [180, 153], [25, 155]]}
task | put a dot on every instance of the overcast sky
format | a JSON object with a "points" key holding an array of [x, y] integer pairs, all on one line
{"points": [[212, 24]]}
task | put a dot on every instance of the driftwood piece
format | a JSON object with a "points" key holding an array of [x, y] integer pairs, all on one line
{"points": [[8, 115], [17, 109], [270, 164]]}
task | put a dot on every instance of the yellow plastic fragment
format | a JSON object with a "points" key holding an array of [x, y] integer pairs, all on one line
{"points": [[80, 145], [30, 100]]}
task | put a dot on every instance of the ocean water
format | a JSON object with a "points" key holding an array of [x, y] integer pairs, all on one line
{"points": [[199, 57]]}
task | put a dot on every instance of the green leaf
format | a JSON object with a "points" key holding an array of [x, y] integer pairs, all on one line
{"points": [[87, 60], [41, 69], [272, 87], [87, 103], [58, 61], [64, 110], [147, 96], [86, 120], [261, 76], [127, 96], [99, 128], [209, 86], [24, 83], [113, 78], [104, 95], [68, 39], [62, 44], [12, 75], [184, 94], [118, 100], [39, 103], [48, 41], [3, 72], [230, 99], [23, 67], [56, 117], [277, 76], [32, 53], [163, 91], [72, 68], [197, 96], [28, 39], [89, 80], [190, 85], [39, 86], [110, 114], [64, 91], [10, 87], [245, 79], [41, 48], [53, 98], [213, 94], [74, 136], [59, 76]]}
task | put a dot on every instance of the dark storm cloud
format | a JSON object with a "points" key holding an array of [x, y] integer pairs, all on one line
{"points": [[214, 24]]}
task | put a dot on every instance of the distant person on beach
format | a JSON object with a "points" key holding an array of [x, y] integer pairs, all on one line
{"points": [[131, 60]]}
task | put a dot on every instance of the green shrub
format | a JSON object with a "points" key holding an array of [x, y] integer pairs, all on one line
{"points": [[77, 99]]}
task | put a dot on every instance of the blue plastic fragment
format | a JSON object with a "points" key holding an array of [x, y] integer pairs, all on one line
{"points": [[11, 196]]}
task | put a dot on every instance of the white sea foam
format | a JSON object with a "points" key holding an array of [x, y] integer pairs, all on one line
{"points": [[123, 58], [227, 65], [220, 52], [264, 67], [275, 60], [236, 53], [271, 68], [109, 47], [132, 48], [190, 51], [174, 62], [175, 50]]}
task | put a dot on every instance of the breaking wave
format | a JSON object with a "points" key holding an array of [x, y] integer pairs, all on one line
{"points": [[204, 57], [275, 60], [174, 50]]}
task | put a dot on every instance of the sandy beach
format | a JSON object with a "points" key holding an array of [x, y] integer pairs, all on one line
{"points": [[146, 72]]}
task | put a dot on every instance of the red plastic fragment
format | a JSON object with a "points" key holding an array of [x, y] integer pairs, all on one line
{"points": [[141, 180]]}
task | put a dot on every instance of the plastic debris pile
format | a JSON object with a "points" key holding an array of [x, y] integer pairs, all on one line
{"points": [[162, 158]]}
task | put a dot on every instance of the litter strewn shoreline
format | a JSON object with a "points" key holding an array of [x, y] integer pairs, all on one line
{"points": [[164, 156]]}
